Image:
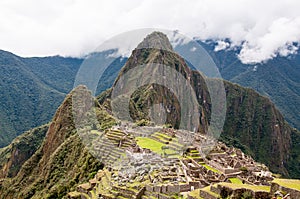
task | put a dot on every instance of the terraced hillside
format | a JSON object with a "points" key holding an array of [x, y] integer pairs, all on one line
{"points": [[148, 171]]}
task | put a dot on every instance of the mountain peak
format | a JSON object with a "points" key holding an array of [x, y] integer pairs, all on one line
{"points": [[155, 49], [156, 40]]}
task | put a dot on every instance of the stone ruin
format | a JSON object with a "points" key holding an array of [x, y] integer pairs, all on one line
{"points": [[135, 172]]}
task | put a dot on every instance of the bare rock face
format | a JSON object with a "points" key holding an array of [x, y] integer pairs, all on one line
{"points": [[156, 40]]}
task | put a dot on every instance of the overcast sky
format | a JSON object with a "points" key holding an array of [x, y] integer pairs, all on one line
{"points": [[264, 28]]}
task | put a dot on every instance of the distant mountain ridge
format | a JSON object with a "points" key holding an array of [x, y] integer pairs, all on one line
{"points": [[278, 78], [31, 90]]}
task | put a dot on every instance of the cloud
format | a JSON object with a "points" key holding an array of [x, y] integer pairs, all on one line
{"points": [[277, 40], [126, 42], [221, 45], [263, 29]]}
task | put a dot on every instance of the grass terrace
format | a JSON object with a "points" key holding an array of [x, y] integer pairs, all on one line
{"points": [[235, 181], [96, 132], [207, 190], [195, 194], [293, 184], [153, 145], [246, 186], [163, 135], [210, 168]]}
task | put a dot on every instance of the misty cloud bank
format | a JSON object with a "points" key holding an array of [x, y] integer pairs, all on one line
{"points": [[263, 29]]}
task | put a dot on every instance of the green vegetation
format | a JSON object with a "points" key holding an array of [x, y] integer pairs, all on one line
{"points": [[251, 120], [195, 194], [246, 186], [20, 150], [293, 163], [33, 88], [31, 91], [207, 189], [247, 195], [36, 86], [235, 181], [164, 136], [277, 79], [54, 165], [153, 145], [294, 184], [58, 165], [142, 122], [244, 169], [210, 168]]}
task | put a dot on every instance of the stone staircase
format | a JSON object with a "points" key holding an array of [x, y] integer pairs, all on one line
{"points": [[111, 146], [120, 138], [107, 152]]}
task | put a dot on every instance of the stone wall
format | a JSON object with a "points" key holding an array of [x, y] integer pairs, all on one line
{"points": [[295, 194], [238, 193], [170, 189], [206, 195], [141, 192]]}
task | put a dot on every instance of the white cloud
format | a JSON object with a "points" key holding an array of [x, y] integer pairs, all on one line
{"points": [[193, 49], [74, 27], [277, 40], [128, 41], [221, 45]]}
